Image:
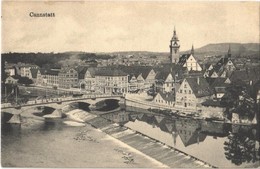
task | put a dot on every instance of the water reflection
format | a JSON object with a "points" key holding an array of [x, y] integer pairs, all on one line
{"points": [[240, 143]]}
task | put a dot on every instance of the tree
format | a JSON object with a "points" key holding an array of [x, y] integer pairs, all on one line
{"points": [[239, 148]]}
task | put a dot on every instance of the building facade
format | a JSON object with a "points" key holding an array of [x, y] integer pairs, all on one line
{"points": [[68, 78], [192, 92]]}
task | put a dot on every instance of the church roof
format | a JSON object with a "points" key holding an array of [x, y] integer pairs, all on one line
{"points": [[183, 58]]}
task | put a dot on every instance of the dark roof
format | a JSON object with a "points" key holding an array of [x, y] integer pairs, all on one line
{"points": [[136, 70], [183, 58], [199, 86], [219, 82], [167, 96], [166, 69], [81, 71], [34, 73], [49, 72], [212, 103], [223, 61], [246, 75], [109, 72]]}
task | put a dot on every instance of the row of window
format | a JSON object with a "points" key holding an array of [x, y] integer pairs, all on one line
{"points": [[186, 91]]}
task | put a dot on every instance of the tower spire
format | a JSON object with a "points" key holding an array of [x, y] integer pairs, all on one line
{"points": [[229, 52], [192, 50]]}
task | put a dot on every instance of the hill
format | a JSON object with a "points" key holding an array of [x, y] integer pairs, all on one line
{"points": [[237, 49]]}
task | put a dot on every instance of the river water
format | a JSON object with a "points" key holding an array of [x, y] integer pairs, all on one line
{"points": [[221, 145]]}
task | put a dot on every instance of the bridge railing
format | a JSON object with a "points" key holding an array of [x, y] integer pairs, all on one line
{"points": [[60, 99]]}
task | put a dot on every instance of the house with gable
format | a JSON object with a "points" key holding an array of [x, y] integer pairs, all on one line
{"points": [[219, 87], [192, 92], [164, 99], [189, 132], [188, 61], [225, 66]]}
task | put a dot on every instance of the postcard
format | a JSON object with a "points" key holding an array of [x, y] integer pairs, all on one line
{"points": [[130, 84]]}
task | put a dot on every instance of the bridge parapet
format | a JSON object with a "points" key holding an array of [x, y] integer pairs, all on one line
{"points": [[57, 100]]}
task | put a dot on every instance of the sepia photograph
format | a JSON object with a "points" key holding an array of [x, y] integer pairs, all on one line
{"points": [[130, 84]]}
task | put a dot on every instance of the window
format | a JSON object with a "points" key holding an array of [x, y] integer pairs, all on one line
{"points": [[180, 91], [189, 91], [185, 86]]}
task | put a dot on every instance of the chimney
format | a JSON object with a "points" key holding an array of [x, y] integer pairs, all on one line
{"points": [[198, 80]]}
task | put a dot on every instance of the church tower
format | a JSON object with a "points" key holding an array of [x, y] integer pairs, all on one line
{"points": [[174, 48]]}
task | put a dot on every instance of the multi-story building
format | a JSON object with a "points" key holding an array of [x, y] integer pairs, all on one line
{"points": [[25, 69], [47, 77], [109, 81], [68, 78], [192, 92]]}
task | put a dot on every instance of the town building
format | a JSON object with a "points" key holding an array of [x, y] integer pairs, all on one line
{"points": [[68, 78], [47, 77], [11, 80], [164, 99], [10, 70], [111, 81], [25, 69], [90, 81], [188, 61], [192, 92], [219, 87], [249, 76]]}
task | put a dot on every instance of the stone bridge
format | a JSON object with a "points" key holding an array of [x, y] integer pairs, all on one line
{"points": [[58, 103]]}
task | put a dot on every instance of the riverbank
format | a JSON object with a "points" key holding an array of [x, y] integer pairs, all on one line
{"points": [[41, 144]]}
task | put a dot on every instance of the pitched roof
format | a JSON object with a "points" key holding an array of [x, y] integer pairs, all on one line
{"points": [[34, 72], [246, 75], [136, 70], [199, 86], [109, 72], [49, 72], [167, 96], [183, 58], [81, 71], [219, 82]]}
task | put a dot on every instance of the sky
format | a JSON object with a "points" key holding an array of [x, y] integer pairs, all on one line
{"points": [[126, 26]]}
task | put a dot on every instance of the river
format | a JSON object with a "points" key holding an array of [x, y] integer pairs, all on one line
{"points": [[41, 143]]}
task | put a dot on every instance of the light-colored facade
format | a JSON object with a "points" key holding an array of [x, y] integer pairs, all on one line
{"points": [[192, 92], [46, 77], [164, 99], [68, 78], [189, 62], [111, 84], [25, 70]]}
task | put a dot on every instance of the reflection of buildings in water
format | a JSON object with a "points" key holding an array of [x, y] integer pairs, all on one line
{"points": [[189, 131], [215, 129], [174, 137], [120, 117]]}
